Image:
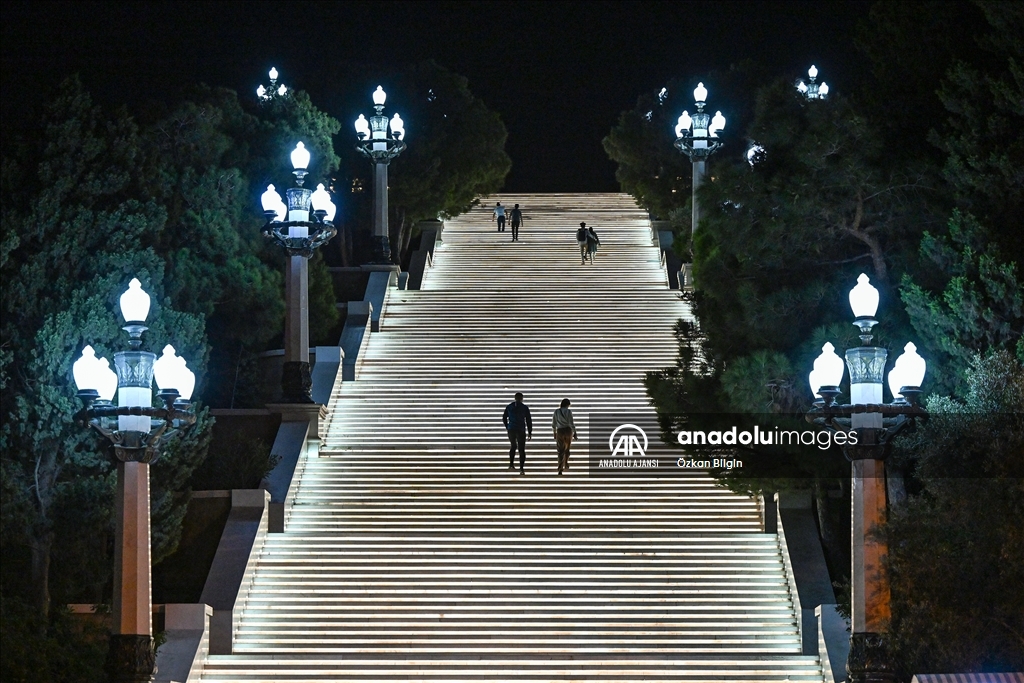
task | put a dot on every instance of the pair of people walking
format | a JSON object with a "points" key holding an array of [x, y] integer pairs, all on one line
{"points": [[588, 242], [515, 217], [519, 425]]}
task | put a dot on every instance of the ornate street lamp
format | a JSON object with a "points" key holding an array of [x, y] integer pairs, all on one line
{"points": [[697, 138], [299, 227], [813, 90], [874, 423], [138, 431], [266, 94], [380, 147]]}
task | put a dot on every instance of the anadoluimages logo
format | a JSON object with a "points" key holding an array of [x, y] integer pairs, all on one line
{"points": [[628, 444]]}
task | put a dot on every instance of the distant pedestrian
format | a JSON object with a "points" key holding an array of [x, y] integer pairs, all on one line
{"points": [[517, 219], [581, 240], [565, 433], [519, 426], [499, 215], [592, 243]]}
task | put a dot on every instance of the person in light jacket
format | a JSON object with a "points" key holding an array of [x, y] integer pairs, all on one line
{"points": [[565, 433]]}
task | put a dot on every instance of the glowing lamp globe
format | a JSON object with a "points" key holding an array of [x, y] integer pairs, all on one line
{"points": [[362, 126], [273, 74], [398, 126], [908, 371], [823, 90], [320, 198], [270, 199], [282, 90], [379, 96], [683, 124], [700, 93], [717, 124], [92, 373], [864, 298], [801, 87], [331, 210], [261, 92], [134, 303], [171, 372], [828, 369], [300, 157], [813, 71]]}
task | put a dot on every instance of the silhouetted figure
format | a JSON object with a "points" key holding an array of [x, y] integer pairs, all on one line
{"points": [[499, 215], [581, 240], [565, 433], [516, 217], [592, 243], [519, 426]]}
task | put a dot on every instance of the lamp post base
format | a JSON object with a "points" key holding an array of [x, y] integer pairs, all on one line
{"points": [[296, 383], [380, 249], [131, 658], [868, 661]]}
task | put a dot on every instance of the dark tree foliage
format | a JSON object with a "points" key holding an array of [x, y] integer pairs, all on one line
{"points": [[956, 548], [90, 201]]}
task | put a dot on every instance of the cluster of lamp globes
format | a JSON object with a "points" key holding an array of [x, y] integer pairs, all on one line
{"points": [[266, 94], [698, 126], [299, 200], [812, 90], [907, 373], [94, 374], [378, 132]]}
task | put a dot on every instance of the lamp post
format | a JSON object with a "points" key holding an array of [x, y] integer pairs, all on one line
{"points": [[380, 147], [697, 138], [813, 90], [873, 423], [266, 94], [138, 431], [294, 228]]}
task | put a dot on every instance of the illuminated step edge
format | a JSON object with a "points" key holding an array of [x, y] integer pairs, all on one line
{"points": [[411, 553]]}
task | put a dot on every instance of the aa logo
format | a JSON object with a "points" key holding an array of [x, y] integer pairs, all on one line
{"points": [[628, 445]]}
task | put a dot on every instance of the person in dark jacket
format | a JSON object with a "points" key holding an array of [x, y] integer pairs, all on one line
{"points": [[516, 218], [519, 426]]}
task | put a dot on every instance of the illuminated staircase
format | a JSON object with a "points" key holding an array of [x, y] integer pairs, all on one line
{"points": [[412, 553]]}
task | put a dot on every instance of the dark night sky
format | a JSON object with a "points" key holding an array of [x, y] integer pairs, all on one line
{"points": [[558, 73]]}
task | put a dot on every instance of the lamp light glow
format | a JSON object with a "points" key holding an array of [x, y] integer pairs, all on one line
{"points": [[282, 90], [379, 96], [94, 373], [828, 369], [171, 372], [134, 303], [397, 126], [801, 87], [908, 371], [362, 126], [300, 157], [270, 199], [823, 90], [864, 298], [717, 124], [700, 93], [273, 74], [813, 71], [683, 124], [320, 198], [261, 92]]}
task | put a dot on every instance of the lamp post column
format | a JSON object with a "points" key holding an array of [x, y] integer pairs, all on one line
{"points": [[381, 237], [295, 374], [131, 656], [698, 180]]}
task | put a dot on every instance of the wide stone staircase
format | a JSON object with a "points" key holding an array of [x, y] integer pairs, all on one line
{"points": [[413, 553]]}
